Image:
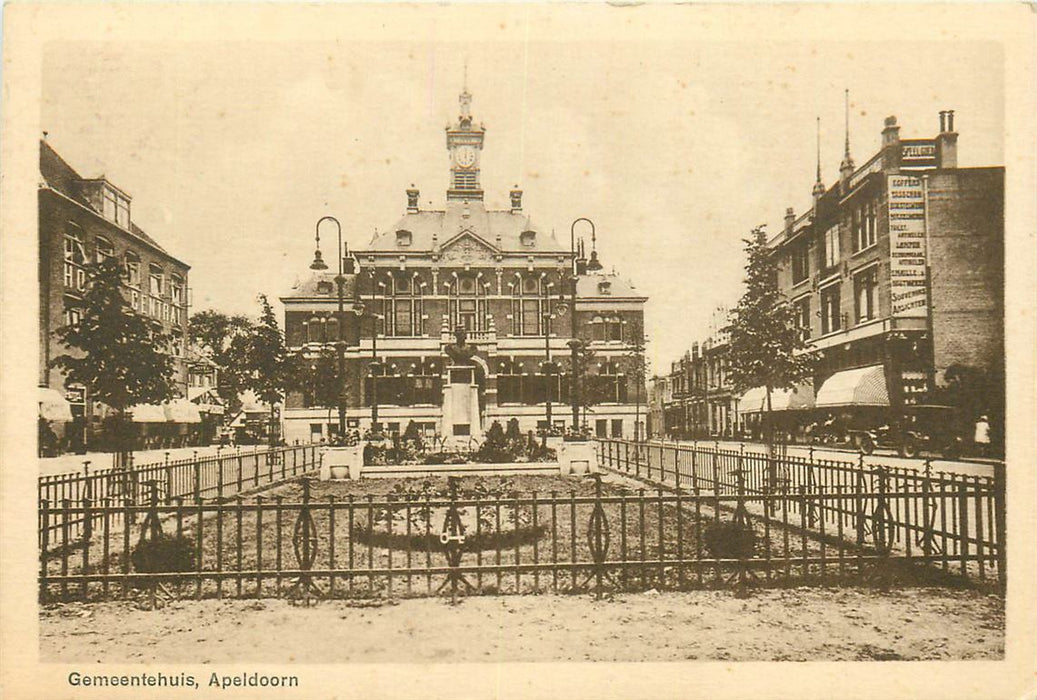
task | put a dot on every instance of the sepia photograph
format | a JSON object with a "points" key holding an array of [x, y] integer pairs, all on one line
{"points": [[467, 337]]}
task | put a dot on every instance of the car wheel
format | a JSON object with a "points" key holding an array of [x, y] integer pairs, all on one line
{"points": [[908, 448]]}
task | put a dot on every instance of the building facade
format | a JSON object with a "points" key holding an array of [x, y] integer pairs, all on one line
{"points": [[506, 282], [84, 221], [896, 272]]}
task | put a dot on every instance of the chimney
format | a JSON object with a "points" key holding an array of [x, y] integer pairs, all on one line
{"points": [[581, 261], [790, 218], [891, 144], [516, 200], [947, 142], [412, 199]]}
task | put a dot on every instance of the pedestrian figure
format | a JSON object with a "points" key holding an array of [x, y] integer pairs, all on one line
{"points": [[982, 436], [48, 440]]}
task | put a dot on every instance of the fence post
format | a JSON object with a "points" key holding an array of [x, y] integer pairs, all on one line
{"points": [[44, 545], [237, 450], [716, 469], [197, 476], [169, 480], [999, 519], [676, 466], [88, 521]]}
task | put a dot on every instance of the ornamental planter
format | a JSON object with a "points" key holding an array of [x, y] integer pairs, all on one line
{"points": [[577, 457], [341, 462]]}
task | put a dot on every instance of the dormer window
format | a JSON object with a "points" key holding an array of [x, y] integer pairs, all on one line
{"points": [[324, 287], [604, 287], [116, 207], [403, 238], [528, 238]]}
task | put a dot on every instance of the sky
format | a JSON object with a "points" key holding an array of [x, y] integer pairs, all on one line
{"points": [[233, 150]]}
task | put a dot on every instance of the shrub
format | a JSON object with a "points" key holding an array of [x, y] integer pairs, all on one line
{"points": [[164, 554], [729, 540]]}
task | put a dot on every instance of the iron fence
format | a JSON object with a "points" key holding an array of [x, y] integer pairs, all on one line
{"points": [[953, 515], [217, 476], [597, 538]]}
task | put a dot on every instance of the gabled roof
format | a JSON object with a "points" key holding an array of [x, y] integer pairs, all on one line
{"points": [[500, 229], [63, 178]]}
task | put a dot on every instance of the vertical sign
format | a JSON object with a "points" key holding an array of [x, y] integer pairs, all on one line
{"points": [[907, 247]]}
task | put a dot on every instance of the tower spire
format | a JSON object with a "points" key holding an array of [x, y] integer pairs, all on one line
{"points": [[847, 158], [819, 188]]}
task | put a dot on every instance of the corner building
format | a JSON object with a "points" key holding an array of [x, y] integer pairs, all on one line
{"points": [[896, 272], [503, 279]]}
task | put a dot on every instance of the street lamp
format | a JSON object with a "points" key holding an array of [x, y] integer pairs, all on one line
{"points": [[574, 343], [548, 367], [340, 282], [360, 310]]}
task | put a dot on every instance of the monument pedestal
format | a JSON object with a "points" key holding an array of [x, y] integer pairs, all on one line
{"points": [[341, 462], [577, 458], [461, 404]]}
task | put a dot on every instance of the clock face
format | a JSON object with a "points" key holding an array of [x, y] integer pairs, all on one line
{"points": [[466, 156]]}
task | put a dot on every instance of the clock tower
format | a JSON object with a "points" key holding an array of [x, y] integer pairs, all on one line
{"points": [[464, 143]]}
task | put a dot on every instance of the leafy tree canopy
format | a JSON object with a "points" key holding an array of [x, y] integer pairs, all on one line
{"points": [[121, 358], [766, 346]]}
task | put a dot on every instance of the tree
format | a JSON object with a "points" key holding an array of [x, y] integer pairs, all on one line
{"points": [[122, 359], [225, 340], [635, 366], [271, 368], [767, 347]]}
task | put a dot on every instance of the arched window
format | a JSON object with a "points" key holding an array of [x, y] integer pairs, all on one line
{"points": [[315, 330], [155, 279], [103, 250], [468, 301], [527, 304], [132, 262], [402, 307]]}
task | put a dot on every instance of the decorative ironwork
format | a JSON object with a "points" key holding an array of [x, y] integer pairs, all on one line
{"points": [[883, 524], [151, 531], [598, 537], [927, 537], [305, 543], [452, 537], [743, 576]]}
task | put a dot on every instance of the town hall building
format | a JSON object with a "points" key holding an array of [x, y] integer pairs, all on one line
{"points": [[488, 281]]}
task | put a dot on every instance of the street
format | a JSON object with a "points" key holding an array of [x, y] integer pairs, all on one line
{"points": [[73, 463], [879, 457]]}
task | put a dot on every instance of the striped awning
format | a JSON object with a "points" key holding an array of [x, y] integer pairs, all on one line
{"points": [[795, 399], [53, 406], [864, 386]]}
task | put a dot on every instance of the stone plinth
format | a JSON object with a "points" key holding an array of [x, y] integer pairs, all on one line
{"points": [[341, 462], [577, 458]]}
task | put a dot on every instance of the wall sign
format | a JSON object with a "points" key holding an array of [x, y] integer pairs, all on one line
{"points": [[907, 247]]}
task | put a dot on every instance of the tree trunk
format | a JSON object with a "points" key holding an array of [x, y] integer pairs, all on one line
{"points": [[768, 437]]}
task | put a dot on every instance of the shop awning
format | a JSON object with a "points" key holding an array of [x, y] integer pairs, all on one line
{"points": [[148, 413], [798, 398], [182, 411], [864, 386], [753, 400], [53, 405], [795, 399]]}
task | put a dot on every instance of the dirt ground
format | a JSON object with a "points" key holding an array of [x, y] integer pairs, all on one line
{"points": [[801, 624]]}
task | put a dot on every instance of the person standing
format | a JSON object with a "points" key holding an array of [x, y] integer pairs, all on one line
{"points": [[981, 438]]}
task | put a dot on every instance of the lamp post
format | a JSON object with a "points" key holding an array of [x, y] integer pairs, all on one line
{"points": [[574, 343], [361, 311], [340, 283], [548, 368]]}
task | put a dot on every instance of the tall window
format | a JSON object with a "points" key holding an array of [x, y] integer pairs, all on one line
{"points": [[830, 252], [75, 257], [526, 306], [155, 278], [468, 302], [800, 262], [104, 250], [403, 306], [72, 316], [864, 226], [864, 293], [802, 307], [132, 269], [830, 315]]}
